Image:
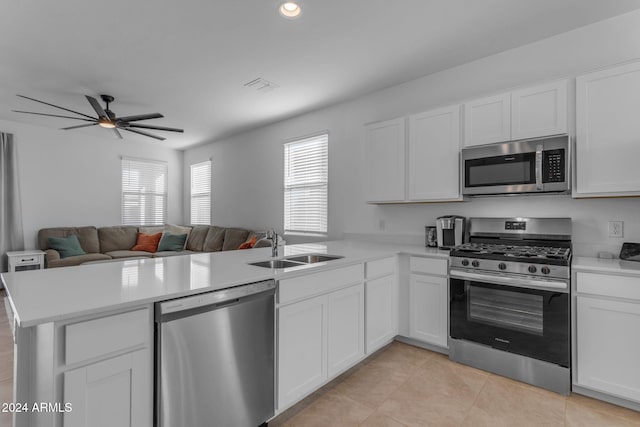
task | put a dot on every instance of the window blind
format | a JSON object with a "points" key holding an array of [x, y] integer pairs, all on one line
{"points": [[306, 177], [144, 192], [201, 193]]}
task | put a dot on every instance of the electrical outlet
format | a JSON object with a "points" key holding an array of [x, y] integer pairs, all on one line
{"points": [[616, 228]]}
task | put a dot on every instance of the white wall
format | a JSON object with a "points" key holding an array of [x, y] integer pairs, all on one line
{"points": [[72, 178], [247, 168]]}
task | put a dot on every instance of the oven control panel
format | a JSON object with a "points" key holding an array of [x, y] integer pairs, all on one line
{"points": [[515, 225]]}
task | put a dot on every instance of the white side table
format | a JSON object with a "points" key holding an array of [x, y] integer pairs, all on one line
{"points": [[25, 260]]}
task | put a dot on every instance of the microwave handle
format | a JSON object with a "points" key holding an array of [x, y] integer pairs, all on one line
{"points": [[539, 185]]}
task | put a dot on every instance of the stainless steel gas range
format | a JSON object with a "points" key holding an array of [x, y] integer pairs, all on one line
{"points": [[509, 298]]}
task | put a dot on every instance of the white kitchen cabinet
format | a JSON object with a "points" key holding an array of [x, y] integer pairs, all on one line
{"points": [[302, 345], [428, 300], [345, 329], [381, 303], [434, 147], [385, 161], [607, 132], [113, 392], [607, 320], [487, 120], [539, 110]]}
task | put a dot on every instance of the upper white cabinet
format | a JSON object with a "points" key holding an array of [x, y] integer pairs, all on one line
{"points": [[487, 120], [530, 112], [539, 110], [434, 147], [608, 132], [385, 161]]}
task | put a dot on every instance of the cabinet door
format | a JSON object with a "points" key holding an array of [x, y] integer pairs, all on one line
{"points": [[434, 147], [607, 131], [428, 309], [608, 349], [302, 343], [380, 311], [345, 329], [487, 120], [539, 111], [385, 160], [114, 392]]}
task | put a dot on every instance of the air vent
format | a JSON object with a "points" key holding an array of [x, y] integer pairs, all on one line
{"points": [[261, 85]]}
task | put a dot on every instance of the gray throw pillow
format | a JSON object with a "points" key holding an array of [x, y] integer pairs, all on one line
{"points": [[66, 246], [172, 242]]}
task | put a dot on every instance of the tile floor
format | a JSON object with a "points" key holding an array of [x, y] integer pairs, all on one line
{"points": [[404, 385]]}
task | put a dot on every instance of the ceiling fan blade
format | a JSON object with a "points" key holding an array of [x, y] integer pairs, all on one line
{"points": [[79, 126], [54, 115], [144, 133], [154, 127], [55, 106], [97, 107], [115, 131], [140, 117]]}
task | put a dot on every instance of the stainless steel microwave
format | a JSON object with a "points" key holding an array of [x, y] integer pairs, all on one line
{"points": [[517, 167]]}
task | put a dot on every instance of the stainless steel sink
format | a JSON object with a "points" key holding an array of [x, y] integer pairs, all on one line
{"points": [[311, 259], [276, 263]]}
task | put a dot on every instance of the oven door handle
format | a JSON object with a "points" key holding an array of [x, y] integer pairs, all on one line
{"points": [[510, 281]]}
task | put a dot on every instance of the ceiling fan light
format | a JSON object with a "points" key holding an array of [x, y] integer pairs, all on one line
{"points": [[106, 123], [290, 9]]}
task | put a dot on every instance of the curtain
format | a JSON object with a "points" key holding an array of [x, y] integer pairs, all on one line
{"points": [[11, 234]]}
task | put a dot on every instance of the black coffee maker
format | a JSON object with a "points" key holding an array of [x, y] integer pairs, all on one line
{"points": [[450, 230]]}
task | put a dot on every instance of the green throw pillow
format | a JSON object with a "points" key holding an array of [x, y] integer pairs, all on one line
{"points": [[66, 246], [172, 242]]}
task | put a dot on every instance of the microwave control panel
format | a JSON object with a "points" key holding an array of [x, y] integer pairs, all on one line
{"points": [[553, 167]]}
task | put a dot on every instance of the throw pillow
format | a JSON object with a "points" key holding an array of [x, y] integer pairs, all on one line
{"points": [[66, 246], [147, 242], [249, 243], [172, 242], [178, 229]]}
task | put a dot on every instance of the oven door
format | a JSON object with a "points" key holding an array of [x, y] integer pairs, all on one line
{"points": [[530, 321]]}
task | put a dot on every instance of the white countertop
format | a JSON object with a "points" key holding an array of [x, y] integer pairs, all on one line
{"points": [[599, 265], [40, 296]]}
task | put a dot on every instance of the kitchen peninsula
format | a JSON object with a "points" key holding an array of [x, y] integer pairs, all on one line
{"points": [[85, 335]]}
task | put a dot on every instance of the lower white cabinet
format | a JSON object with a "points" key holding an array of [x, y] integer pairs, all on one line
{"points": [[606, 310], [428, 309], [112, 392], [428, 300], [302, 345], [318, 338], [381, 312]]}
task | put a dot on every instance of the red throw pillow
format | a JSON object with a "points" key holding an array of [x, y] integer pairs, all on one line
{"points": [[147, 242], [249, 243]]}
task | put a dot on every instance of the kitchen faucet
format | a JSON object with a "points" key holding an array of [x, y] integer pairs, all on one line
{"points": [[272, 236]]}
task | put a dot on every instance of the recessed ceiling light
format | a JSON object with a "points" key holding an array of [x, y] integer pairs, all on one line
{"points": [[290, 9]]}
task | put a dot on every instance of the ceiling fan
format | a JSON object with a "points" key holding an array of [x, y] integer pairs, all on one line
{"points": [[107, 118]]}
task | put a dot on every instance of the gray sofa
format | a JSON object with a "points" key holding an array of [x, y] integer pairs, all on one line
{"points": [[108, 243]]}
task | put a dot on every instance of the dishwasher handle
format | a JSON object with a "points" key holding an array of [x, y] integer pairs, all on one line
{"points": [[214, 300]]}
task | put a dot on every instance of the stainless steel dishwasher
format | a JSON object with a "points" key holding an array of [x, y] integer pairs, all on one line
{"points": [[215, 358]]}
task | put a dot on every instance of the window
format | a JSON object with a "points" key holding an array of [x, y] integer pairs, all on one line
{"points": [[201, 193], [144, 192], [306, 176]]}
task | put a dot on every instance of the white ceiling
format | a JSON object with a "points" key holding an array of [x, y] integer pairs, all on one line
{"points": [[189, 59]]}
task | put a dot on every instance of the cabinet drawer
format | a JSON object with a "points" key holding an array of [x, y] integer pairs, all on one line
{"points": [[319, 283], [610, 286], [27, 260], [428, 265], [380, 267], [93, 338]]}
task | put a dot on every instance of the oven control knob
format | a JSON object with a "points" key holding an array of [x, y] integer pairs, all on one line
{"points": [[475, 263], [465, 262], [545, 270], [532, 269], [502, 266]]}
